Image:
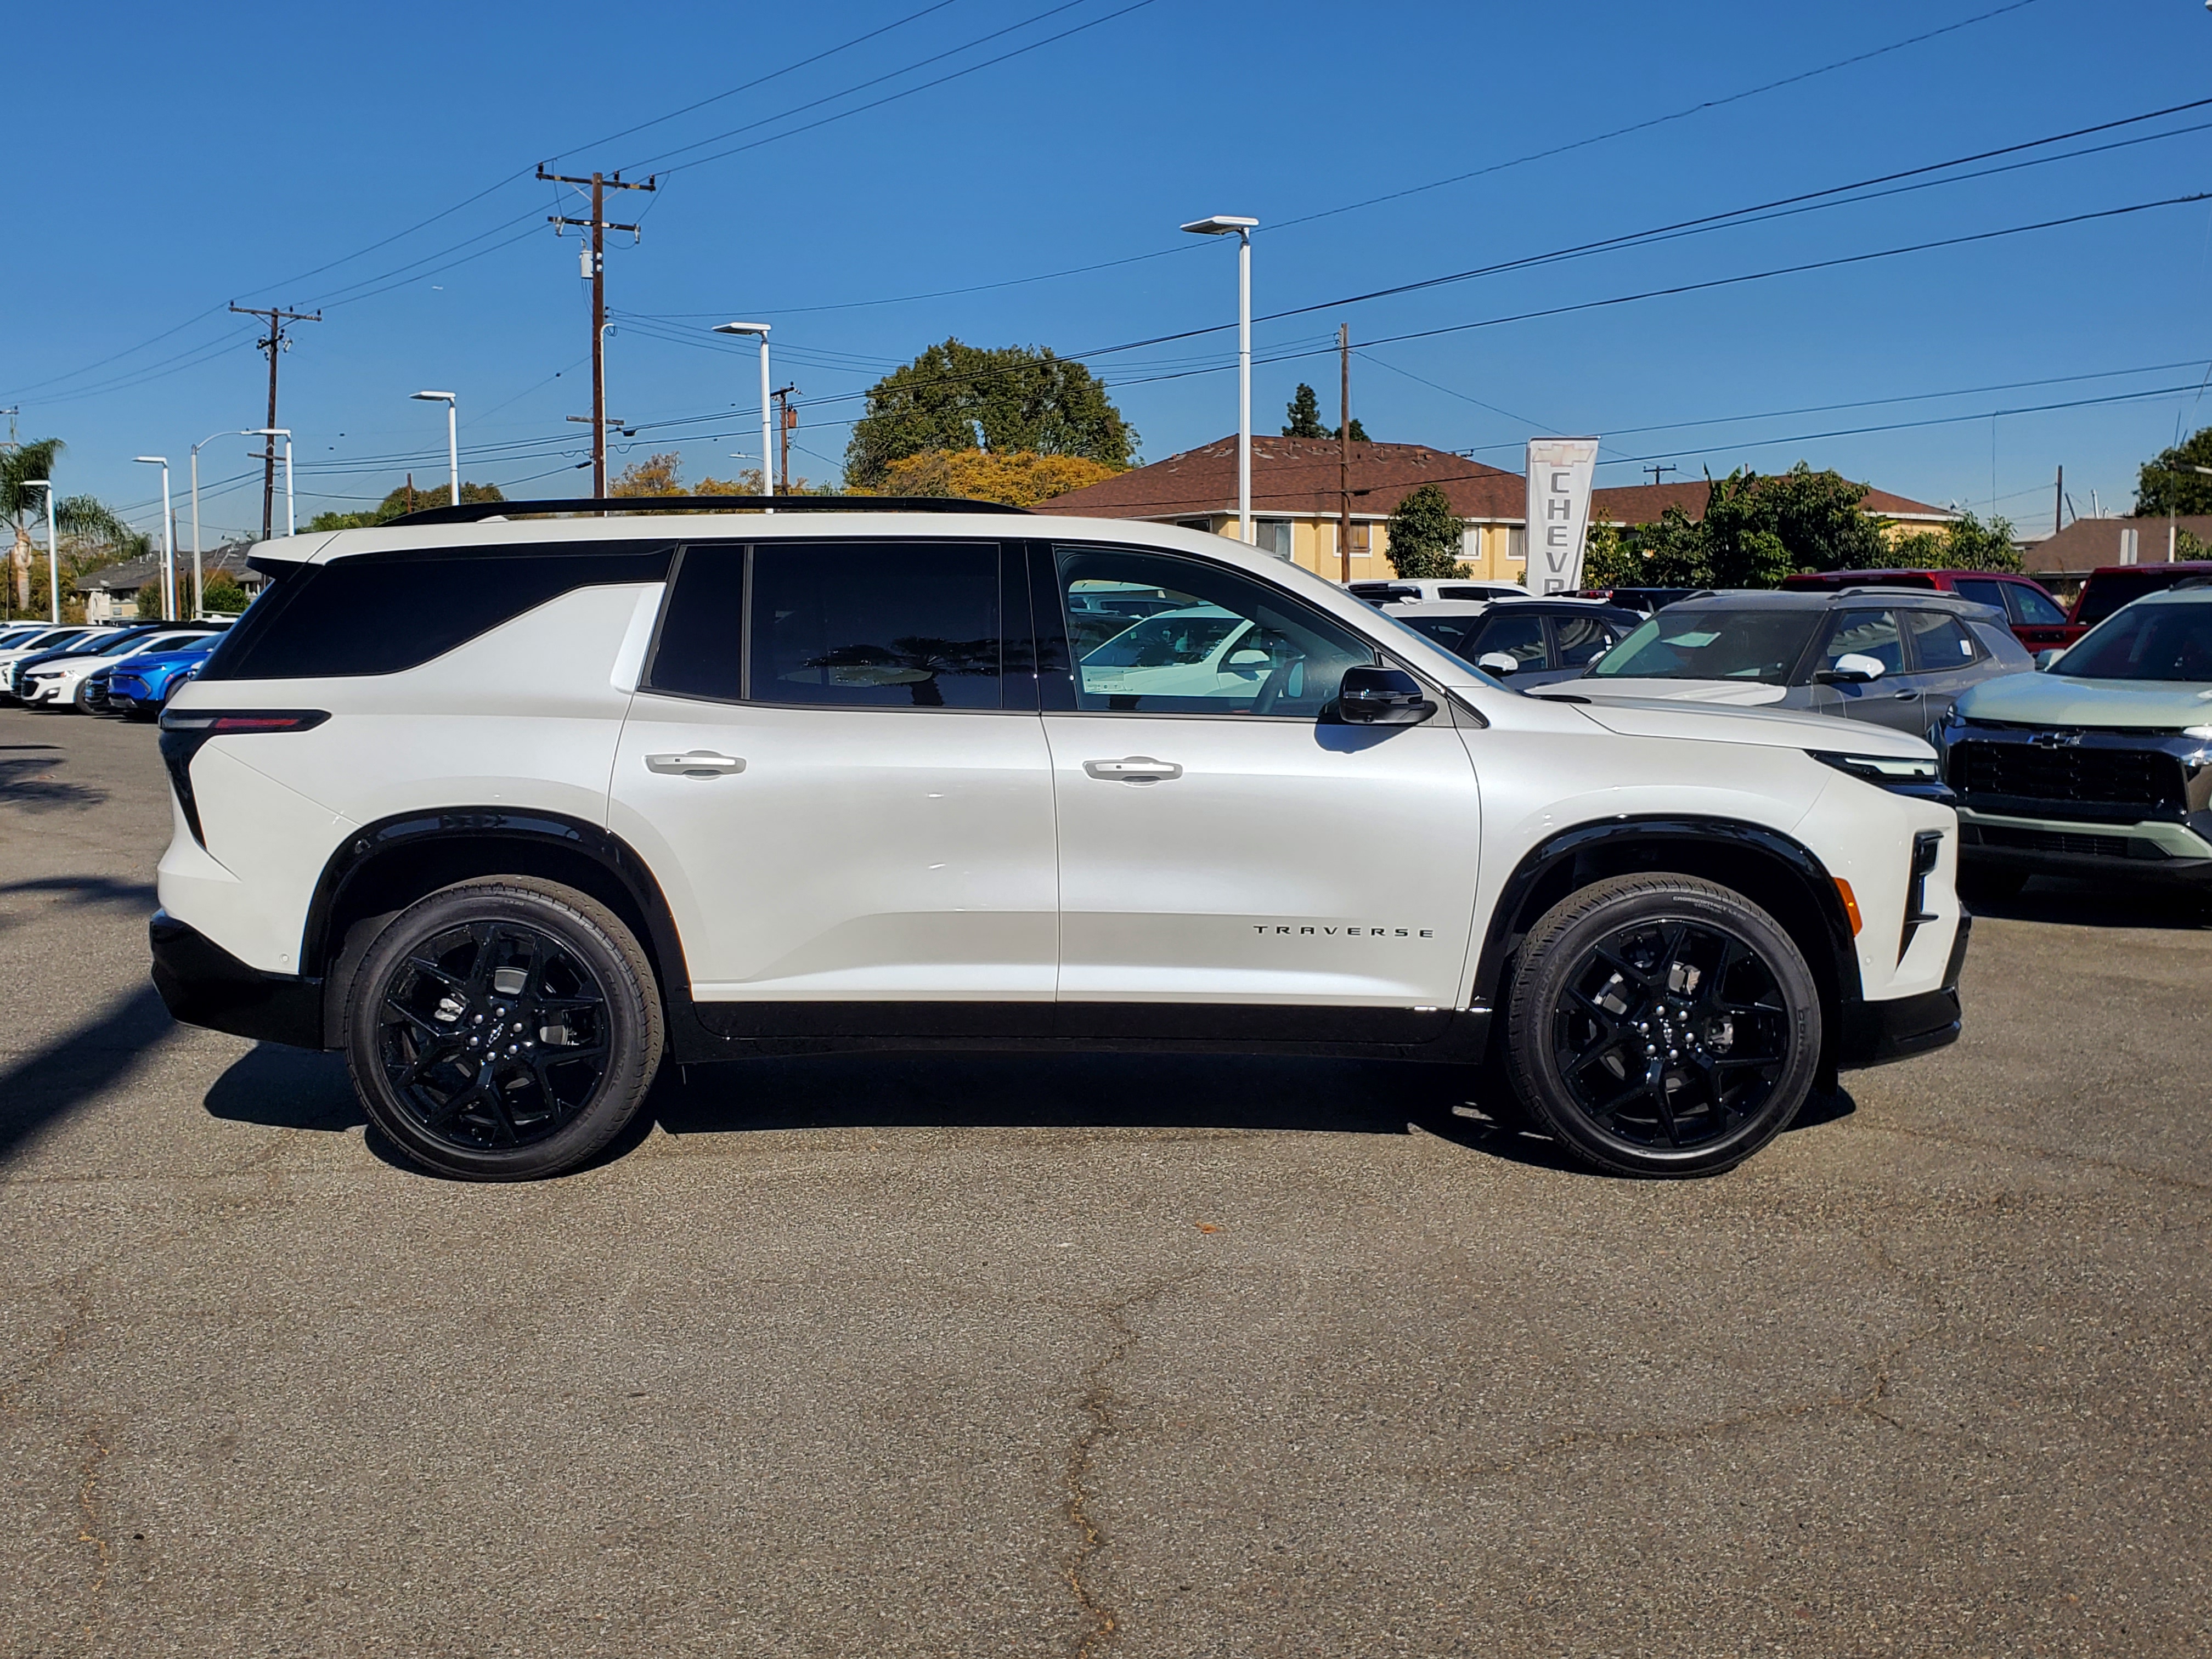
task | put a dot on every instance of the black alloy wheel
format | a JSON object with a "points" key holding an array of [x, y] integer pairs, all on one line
{"points": [[503, 1030], [1660, 1024]]}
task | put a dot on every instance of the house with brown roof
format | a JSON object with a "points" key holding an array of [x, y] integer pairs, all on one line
{"points": [[1295, 496], [2071, 554]]}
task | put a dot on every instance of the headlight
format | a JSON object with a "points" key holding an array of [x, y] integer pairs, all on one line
{"points": [[1884, 770]]}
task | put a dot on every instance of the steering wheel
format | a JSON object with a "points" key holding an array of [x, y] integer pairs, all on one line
{"points": [[1277, 682]]}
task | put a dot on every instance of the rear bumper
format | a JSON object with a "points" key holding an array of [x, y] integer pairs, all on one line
{"points": [[203, 984], [1877, 1033]]}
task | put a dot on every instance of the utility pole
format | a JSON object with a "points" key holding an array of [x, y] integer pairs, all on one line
{"points": [[2059, 503], [274, 342], [1655, 470], [596, 268], [1343, 448], [787, 420]]}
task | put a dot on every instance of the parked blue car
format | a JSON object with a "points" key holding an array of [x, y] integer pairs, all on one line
{"points": [[140, 687]]}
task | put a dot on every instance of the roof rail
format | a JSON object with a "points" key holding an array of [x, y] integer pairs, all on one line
{"points": [[477, 512]]}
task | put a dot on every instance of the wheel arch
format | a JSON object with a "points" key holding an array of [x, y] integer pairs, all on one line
{"points": [[1775, 871], [387, 865]]}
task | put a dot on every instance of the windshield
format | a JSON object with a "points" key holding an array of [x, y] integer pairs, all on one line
{"points": [[1757, 646], [2108, 590], [1180, 636], [2158, 641]]}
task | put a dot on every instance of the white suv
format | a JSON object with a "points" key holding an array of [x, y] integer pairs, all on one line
{"points": [[513, 810]]}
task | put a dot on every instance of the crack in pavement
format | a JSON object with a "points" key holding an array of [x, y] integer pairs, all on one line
{"points": [[1096, 1404], [88, 1501]]}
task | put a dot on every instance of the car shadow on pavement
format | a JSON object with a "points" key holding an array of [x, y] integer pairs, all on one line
{"points": [[26, 780], [282, 1088], [54, 1080], [2102, 904]]}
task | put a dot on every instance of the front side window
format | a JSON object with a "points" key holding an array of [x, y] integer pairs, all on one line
{"points": [[2031, 605], [1938, 640], [1581, 639], [1521, 638], [1865, 633], [1981, 590], [1225, 644], [876, 624], [2160, 641], [1757, 646]]}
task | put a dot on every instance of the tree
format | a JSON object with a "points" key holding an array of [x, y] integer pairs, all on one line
{"points": [[1303, 414], [406, 499], [148, 602], [1425, 535], [1021, 398], [2167, 484], [220, 592], [1966, 544], [656, 475], [1021, 479], [89, 532]]}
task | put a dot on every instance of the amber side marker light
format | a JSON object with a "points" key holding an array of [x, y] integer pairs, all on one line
{"points": [[1850, 905]]}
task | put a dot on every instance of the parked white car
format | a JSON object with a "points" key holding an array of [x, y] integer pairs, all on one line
{"points": [[512, 812], [1402, 590], [60, 683]]}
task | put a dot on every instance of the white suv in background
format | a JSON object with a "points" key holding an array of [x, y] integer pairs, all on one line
{"points": [[511, 811]]}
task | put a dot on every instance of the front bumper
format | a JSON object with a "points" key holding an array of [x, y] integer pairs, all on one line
{"points": [[203, 984], [1877, 1033], [2152, 849]]}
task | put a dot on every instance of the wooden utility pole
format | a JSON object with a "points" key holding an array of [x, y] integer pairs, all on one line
{"points": [[1655, 470], [2059, 503], [786, 420], [1343, 448], [274, 342], [596, 268]]}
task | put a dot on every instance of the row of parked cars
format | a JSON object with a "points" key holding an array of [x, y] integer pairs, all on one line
{"points": [[2098, 765], [131, 669]]}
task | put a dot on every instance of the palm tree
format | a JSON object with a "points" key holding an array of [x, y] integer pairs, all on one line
{"points": [[85, 520]]}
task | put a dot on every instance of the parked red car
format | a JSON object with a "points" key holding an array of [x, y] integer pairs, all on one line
{"points": [[2039, 621], [2112, 586]]}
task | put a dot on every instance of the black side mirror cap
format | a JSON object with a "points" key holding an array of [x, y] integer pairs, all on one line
{"points": [[1374, 695]]}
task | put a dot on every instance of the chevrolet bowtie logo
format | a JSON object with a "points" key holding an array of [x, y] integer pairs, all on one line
{"points": [[2056, 739]]}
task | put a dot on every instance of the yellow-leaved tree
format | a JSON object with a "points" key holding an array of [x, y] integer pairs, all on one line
{"points": [[1019, 478]]}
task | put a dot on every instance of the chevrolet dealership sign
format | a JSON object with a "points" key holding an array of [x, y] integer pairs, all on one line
{"points": [[1558, 511]]}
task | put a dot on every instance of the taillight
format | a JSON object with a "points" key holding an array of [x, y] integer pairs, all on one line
{"points": [[184, 730]]}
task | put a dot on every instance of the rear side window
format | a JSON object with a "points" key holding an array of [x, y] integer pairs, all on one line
{"points": [[880, 624], [379, 613], [1938, 640]]}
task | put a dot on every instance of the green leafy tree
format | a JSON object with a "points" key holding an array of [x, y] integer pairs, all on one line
{"points": [[89, 532], [149, 601], [1611, 559], [1358, 432], [1303, 414], [1425, 535], [2169, 481], [220, 592], [1022, 398], [396, 504], [1966, 544]]}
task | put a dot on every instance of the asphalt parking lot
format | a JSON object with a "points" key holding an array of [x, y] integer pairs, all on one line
{"points": [[1137, 1356]]}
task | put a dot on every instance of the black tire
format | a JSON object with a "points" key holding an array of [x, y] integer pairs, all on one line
{"points": [[1989, 883], [1659, 1024], [503, 1030]]}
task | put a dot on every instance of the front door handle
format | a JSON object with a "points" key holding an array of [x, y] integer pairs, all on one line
{"points": [[699, 763], [1136, 768], [1904, 696]]}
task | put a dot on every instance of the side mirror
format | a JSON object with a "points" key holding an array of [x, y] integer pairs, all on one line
{"points": [[1851, 669], [2048, 659], [1374, 695], [1251, 659], [1500, 663]]}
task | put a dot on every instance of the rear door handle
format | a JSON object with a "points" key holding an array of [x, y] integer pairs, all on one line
{"points": [[1135, 768], [1904, 696], [699, 763]]}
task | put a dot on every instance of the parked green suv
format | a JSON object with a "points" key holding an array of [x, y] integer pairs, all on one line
{"points": [[2100, 766]]}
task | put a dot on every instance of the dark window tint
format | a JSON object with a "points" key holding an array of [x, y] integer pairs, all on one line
{"points": [[885, 624], [2108, 590], [1981, 590], [2151, 642], [379, 613], [1940, 642], [700, 652], [1865, 633], [1449, 632], [1229, 645], [1521, 638], [1580, 640], [2031, 605]]}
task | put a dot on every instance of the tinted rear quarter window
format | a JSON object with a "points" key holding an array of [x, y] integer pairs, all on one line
{"points": [[381, 613], [885, 624]]}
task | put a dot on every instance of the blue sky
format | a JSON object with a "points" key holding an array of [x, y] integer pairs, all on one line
{"points": [[169, 161]]}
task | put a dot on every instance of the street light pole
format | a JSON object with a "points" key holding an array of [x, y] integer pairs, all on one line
{"points": [[168, 540], [53, 554], [291, 522], [452, 441], [200, 583], [1221, 225], [768, 457]]}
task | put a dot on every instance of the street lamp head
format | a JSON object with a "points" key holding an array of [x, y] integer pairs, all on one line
{"points": [[759, 329], [432, 397], [1221, 225], [152, 460]]}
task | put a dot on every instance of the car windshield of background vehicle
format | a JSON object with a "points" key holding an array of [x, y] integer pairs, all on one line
{"points": [[880, 624], [2151, 642], [2109, 590], [1761, 646], [1229, 646]]}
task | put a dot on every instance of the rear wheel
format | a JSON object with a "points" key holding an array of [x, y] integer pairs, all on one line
{"points": [[503, 1030], [1660, 1024]]}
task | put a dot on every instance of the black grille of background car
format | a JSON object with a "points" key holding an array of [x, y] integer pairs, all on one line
{"points": [[2054, 840], [2129, 777]]}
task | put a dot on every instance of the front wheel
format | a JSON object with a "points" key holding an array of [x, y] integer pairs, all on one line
{"points": [[1660, 1024], [503, 1030]]}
